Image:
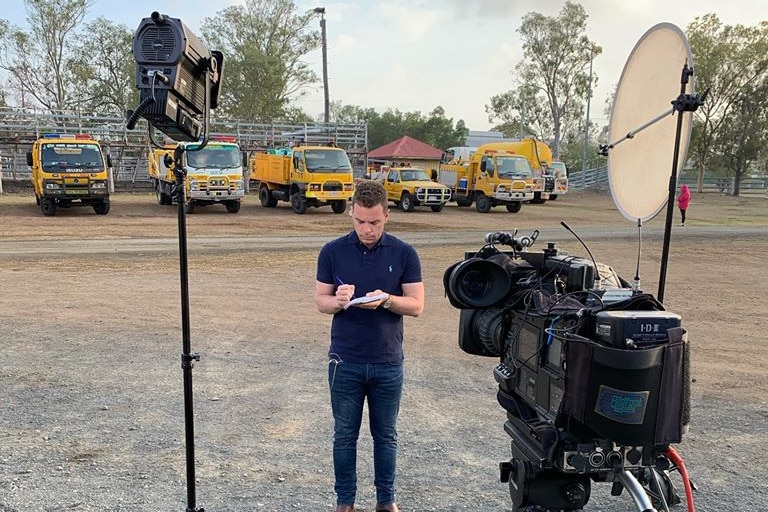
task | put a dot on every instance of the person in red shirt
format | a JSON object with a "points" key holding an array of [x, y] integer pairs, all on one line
{"points": [[683, 200]]}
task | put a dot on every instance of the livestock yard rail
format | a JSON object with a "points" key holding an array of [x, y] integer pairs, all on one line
{"points": [[19, 128]]}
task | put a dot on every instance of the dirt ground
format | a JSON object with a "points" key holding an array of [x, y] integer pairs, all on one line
{"points": [[91, 400]]}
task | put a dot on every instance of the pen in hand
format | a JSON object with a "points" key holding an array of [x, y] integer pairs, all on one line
{"points": [[341, 283]]}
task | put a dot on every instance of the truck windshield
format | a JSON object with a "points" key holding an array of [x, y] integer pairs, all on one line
{"points": [[214, 157], [414, 175], [513, 167], [558, 169], [71, 157], [327, 160]]}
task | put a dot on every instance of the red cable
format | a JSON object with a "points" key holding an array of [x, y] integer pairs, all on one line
{"points": [[678, 461]]}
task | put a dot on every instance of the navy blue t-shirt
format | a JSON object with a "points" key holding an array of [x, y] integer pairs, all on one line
{"points": [[368, 335]]}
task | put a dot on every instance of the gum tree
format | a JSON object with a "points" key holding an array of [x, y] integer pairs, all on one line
{"points": [[731, 65], [264, 43], [553, 78], [38, 60]]}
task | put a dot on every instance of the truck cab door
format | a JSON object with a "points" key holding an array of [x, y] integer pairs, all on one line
{"points": [[298, 161]]}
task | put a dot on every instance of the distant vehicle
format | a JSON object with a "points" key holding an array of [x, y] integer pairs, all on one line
{"points": [[561, 179], [69, 170], [539, 156], [304, 176], [409, 187], [460, 153], [214, 174], [491, 177]]}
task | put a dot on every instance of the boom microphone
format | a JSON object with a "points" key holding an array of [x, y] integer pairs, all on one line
{"points": [[597, 270]]}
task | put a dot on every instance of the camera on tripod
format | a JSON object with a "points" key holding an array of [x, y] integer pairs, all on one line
{"points": [[593, 374]]}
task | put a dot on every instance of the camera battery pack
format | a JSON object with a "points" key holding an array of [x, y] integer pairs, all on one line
{"points": [[630, 329]]}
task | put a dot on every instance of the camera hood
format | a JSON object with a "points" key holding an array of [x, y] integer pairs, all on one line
{"points": [[476, 283]]}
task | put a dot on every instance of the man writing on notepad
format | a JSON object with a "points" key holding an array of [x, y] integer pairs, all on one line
{"points": [[366, 353]]}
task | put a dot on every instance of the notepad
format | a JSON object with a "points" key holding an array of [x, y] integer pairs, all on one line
{"points": [[365, 300]]}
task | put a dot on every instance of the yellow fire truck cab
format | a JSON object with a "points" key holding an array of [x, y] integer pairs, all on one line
{"points": [[214, 173], [69, 170], [304, 176]]}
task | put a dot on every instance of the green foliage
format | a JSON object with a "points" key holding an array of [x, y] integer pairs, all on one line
{"points": [[105, 68], [554, 76], [263, 42], [731, 64], [41, 62], [435, 129]]}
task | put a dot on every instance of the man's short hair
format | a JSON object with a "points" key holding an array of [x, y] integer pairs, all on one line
{"points": [[369, 193]]}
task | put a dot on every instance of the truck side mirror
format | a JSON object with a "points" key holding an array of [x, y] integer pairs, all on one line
{"points": [[483, 165], [29, 158], [109, 160]]}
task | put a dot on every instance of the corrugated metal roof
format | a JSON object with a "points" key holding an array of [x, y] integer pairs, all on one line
{"points": [[407, 147]]}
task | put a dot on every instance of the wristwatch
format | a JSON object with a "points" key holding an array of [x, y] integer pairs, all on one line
{"points": [[387, 303]]}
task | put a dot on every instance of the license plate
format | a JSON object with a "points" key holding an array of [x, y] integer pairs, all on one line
{"points": [[334, 193], [431, 198], [76, 191]]}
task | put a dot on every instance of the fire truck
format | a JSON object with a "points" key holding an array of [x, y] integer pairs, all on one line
{"points": [[304, 176], [69, 170], [491, 177], [214, 174]]}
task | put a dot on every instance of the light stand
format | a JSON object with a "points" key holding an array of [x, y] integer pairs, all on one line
{"points": [[683, 103], [187, 357], [183, 64]]}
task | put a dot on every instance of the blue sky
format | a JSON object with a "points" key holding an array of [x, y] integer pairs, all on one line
{"points": [[417, 54]]}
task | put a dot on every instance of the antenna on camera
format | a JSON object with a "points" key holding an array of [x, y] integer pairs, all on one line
{"points": [[597, 277]]}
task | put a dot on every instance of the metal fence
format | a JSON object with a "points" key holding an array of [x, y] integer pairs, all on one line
{"points": [[19, 128], [597, 179]]}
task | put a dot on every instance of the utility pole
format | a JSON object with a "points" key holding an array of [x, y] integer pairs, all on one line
{"points": [[321, 12]]}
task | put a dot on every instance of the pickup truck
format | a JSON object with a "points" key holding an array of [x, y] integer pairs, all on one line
{"points": [[409, 187]]}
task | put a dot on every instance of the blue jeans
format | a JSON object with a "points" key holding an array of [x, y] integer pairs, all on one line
{"points": [[351, 384]]}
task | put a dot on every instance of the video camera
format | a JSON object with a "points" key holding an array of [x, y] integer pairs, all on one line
{"points": [[593, 374], [177, 76]]}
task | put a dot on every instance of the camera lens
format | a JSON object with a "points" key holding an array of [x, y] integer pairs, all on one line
{"points": [[478, 283]]}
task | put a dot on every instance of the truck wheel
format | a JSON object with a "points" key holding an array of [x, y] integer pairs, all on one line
{"points": [[537, 198], [437, 207], [514, 207], [48, 206], [189, 207], [552, 197], [463, 202], [298, 203], [232, 206], [483, 203], [267, 198], [101, 208], [407, 204], [162, 197], [338, 206]]}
